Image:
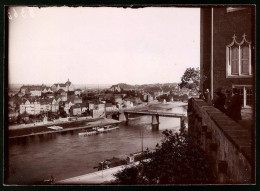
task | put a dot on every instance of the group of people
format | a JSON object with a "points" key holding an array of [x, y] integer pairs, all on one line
{"points": [[229, 104]]}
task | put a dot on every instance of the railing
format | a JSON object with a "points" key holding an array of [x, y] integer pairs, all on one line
{"points": [[227, 144]]}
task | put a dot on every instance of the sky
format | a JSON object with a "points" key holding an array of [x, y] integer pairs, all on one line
{"points": [[102, 45]]}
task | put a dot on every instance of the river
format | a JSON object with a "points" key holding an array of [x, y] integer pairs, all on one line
{"points": [[67, 155]]}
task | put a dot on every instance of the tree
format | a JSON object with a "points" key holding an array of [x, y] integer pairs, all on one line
{"points": [[178, 160], [129, 175], [62, 112], [190, 79]]}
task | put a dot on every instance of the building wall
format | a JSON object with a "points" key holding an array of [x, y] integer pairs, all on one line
{"points": [[55, 107], [76, 111], [119, 100], [238, 22], [96, 113], [225, 25], [91, 106], [71, 87], [205, 47], [36, 93]]}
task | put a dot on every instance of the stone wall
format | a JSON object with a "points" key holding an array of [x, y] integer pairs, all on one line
{"points": [[227, 144]]}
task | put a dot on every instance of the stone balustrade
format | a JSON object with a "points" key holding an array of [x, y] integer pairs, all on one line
{"points": [[227, 144]]}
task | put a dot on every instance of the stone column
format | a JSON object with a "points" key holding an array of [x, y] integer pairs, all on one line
{"points": [[155, 122]]}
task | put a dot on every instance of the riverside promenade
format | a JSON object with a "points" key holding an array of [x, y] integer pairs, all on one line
{"points": [[99, 177], [100, 122]]}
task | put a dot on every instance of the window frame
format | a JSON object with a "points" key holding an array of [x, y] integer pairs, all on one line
{"points": [[229, 58], [244, 94]]}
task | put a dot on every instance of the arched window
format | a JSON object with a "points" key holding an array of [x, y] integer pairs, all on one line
{"points": [[239, 58], [234, 60], [245, 60]]}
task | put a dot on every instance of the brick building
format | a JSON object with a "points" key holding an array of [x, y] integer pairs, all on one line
{"points": [[228, 49]]}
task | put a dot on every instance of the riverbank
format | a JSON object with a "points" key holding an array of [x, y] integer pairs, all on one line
{"points": [[63, 121], [64, 155], [82, 122], [73, 126], [100, 177]]}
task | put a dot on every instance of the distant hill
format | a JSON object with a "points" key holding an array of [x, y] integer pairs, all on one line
{"points": [[147, 87]]}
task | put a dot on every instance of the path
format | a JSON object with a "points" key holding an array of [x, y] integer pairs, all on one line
{"points": [[98, 177]]}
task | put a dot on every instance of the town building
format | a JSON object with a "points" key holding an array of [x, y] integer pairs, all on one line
{"points": [[47, 90], [32, 90], [96, 113], [75, 110], [67, 106], [91, 105], [54, 106], [68, 86], [31, 107], [128, 102], [37, 106], [147, 97], [228, 50], [76, 99], [110, 107]]}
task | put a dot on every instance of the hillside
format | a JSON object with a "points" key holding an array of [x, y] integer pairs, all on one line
{"points": [[153, 87]]}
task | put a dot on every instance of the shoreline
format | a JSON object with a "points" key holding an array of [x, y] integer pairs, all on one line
{"points": [[102, 122], [19, 132]]}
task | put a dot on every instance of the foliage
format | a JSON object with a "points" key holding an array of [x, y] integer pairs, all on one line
{"points": [[178, 160], [191, 78], [130, 175], [62, 112], [164, 97], [168, 98], [86, 113]]}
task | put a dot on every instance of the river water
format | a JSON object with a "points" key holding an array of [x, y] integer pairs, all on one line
{"points": [[67, 155]]}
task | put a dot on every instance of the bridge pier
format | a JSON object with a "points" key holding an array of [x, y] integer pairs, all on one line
{"points": [[155, 122], [126, 118], [182, 124], [121, 116]]}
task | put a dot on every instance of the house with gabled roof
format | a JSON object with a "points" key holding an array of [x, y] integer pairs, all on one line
{"points": [[68, 86], [54, 105], [67, 106]]}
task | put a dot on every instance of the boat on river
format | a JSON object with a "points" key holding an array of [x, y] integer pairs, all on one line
{"points": [[97, 130], [110, 128], [55, 128]]}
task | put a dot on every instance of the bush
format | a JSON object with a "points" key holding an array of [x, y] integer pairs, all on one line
{"points": [[130, 175], [178, 160]]}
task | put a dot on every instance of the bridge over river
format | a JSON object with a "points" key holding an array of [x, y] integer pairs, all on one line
{"points": [[155, 117]]}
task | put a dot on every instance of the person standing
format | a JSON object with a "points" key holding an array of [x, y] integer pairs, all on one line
{"points": [[207, 96], [228, 98], [235, 105], [201, 96], [219, 99]]}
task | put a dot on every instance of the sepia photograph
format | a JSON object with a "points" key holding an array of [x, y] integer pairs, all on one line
{"points": [[149, 95]]}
